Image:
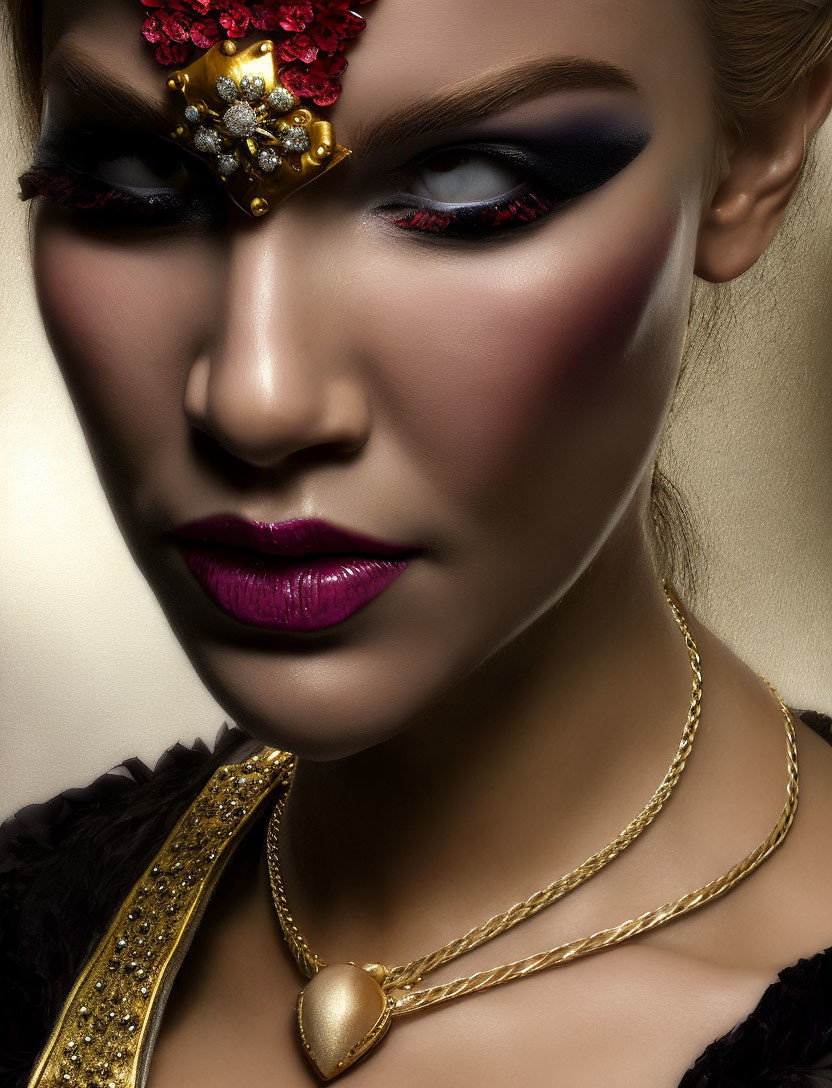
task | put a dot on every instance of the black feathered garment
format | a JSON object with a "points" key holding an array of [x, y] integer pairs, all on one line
{"points": [[66, 866]]}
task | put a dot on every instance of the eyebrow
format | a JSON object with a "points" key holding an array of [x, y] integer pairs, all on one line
{"points": [[82, 76], [492, 92], [461, 103]]}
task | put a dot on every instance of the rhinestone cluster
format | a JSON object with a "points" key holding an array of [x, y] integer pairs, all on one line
{"points": [[252, 130], [240, 115], [99, 1036]]}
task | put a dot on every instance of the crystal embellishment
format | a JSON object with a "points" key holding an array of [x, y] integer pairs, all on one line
{"points": [[261, 141], [282, 100], [252, 88], [227, 89], [295, 138], [240, 121], [227, 164], [103, 1035], [207, 140], [268, 160]]}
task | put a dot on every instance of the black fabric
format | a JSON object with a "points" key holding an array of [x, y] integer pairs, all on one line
{"points": [[786, 1041], [66, 865]]}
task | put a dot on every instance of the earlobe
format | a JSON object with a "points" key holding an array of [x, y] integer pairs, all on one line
{"points": [[749, 202]]}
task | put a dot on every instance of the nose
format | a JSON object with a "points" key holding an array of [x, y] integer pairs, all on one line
{"points": [[273, 379]]}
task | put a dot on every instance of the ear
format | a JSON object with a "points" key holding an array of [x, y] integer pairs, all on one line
{"points": [[762, 172]]}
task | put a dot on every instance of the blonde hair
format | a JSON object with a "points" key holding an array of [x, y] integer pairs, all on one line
{"points": [[759, 50]]}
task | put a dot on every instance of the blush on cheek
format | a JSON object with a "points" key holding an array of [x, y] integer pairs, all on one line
{"points": [[603, 301], [567, 334], [522, 351]]}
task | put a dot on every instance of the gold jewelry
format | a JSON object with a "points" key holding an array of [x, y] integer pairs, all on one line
{"points": [[106, 1029], [250, 127], [105, 1032], [347, 1008], [252, 111]]}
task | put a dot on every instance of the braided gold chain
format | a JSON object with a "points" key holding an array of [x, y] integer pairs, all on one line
{"points": [[420, 999], [398, 980]]}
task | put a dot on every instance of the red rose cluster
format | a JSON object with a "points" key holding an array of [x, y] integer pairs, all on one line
{"points": [[309, 36]]}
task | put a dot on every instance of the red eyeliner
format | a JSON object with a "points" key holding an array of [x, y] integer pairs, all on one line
{"points": [[525, 208], [66, 189], [105, 204]]}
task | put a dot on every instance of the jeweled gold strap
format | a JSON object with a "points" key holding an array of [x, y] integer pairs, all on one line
{"points": [[104, 1032]]}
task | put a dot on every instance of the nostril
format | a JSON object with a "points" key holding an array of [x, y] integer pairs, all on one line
{"points": [[310, 416], [246, 469], [196, 392], [228, 466]]}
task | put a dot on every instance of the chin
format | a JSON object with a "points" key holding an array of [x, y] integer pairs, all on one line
{"points": [[320, 706]]}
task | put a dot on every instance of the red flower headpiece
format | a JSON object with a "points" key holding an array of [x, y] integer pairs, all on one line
{"points": [[309, 36]]}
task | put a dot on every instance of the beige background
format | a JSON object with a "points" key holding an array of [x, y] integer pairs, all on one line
{"points": [[90, 674]]}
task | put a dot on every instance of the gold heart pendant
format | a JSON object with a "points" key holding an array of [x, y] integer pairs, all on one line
{"points": [[342, 1013]]}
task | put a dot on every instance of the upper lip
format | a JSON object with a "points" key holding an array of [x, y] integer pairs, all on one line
{"points": [[295, 538]]}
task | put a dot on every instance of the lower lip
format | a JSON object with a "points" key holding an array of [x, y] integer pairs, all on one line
{"points": [[289, 594]]}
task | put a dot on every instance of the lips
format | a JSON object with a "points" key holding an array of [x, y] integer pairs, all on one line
{"points": [[299, 575]]}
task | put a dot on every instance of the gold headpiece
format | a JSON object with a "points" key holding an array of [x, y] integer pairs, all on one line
{"points": [[251, 127], [252, 111]]}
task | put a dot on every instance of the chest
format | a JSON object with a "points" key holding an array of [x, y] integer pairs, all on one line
{"points": [[629, 1016]]}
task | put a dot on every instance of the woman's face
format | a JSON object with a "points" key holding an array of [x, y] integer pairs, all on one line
{"points": [[485, 394]]}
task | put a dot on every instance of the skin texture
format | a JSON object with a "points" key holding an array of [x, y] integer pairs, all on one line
{"points": [[523, 684], [398, 417]]}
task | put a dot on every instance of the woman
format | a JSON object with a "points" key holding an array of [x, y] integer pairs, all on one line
{"points": [[379, 429]]}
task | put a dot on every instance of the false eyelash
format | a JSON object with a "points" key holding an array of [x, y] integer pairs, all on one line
{"points": [[77, 191], [479, 219]]}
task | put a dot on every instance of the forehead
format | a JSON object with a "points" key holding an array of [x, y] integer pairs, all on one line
{"points": [[415, 48]]}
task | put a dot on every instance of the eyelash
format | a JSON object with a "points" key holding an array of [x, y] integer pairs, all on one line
{"points": [[524, 207], [551, 181], [99, 201], [106, 204]]}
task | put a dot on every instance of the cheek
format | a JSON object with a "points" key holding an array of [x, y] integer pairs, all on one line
{"points": [[123, 323], [505, 357]]}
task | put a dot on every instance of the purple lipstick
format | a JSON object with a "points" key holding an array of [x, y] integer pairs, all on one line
{"points": [[299, 575]]}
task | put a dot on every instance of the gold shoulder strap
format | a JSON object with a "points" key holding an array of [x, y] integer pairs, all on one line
{"points": [[104, 1034]]}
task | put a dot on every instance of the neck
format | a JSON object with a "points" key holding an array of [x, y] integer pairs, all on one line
{"points": [[532, 763]]}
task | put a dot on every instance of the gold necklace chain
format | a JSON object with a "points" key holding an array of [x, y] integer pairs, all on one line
{"points": [[406, 974], [320, 1006]]}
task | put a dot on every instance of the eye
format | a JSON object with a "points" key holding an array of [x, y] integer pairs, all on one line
{"points": [[153, 169], [114, 181], [478, 190], [467, 192], [459, 176]]}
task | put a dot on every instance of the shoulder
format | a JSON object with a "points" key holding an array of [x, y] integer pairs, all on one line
{"points": [[787, 1037], [807, 869], [820, 723], [66, 864]]}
